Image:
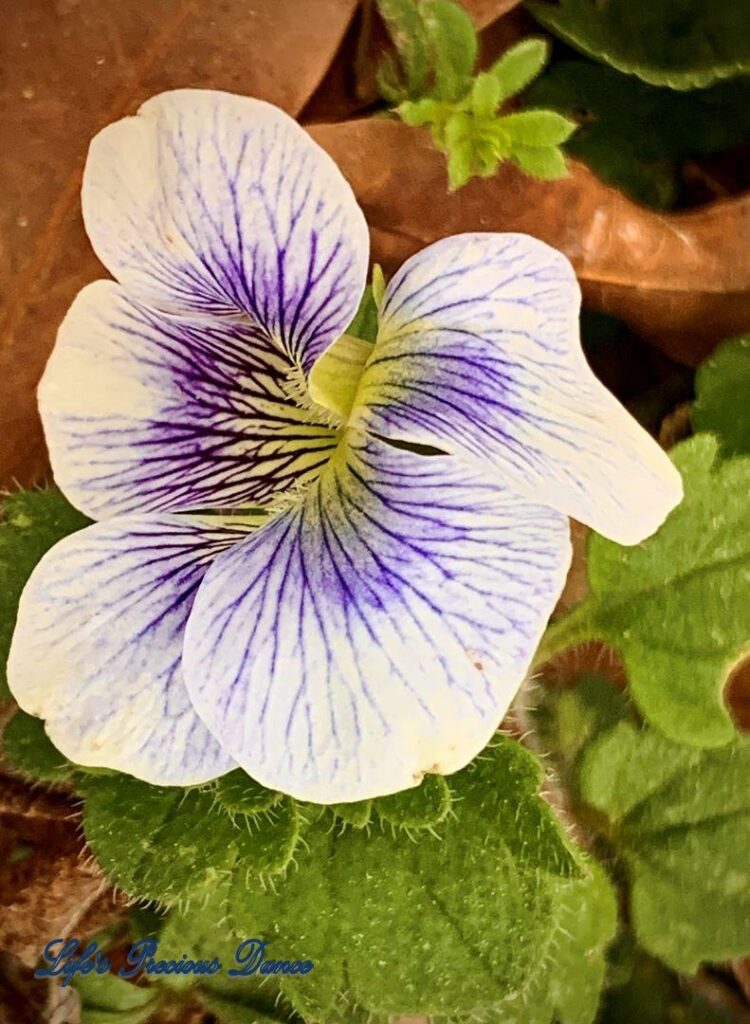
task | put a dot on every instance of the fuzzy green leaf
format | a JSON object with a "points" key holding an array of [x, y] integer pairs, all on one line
{"points": [[518, 66], [685, 45], [407, 30], [722, 385], [621, 132], [454, 48], [429, 923], [240, 794], [424, 806], [538, 128], [676, 606], [31, 522], [358, 814], [437, 49], [170, 844], [568, 988], [547, 164], [680, 818], [30, 751]]}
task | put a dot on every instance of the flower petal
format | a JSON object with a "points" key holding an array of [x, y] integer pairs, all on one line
{"points": [[376, 631], [146, 413], [98, 642], [214, 204], [478, 353]]}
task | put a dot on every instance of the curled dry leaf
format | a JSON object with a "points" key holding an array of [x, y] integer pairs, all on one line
{"points": [[69, 68], [674, 278]]}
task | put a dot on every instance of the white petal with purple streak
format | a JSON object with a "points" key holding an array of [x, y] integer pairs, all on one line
{"points": [[210, 204], [146, 413], [478, 354], [98, 642], [376, 631]]}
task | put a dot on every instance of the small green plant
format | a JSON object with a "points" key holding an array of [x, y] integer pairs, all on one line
{"points": [[433, 83]]}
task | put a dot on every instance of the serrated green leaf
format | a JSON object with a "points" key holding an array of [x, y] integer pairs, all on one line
{"points": [[518, 66], [424, 806], [684, 45], [170, 844], [240, 794], [538, 128], [621, 133], [30, 751], [676, 606], [425, 924], [680, 819], [546, 164], [31, 522], [356, 814], [567, 990], [722, 385]]}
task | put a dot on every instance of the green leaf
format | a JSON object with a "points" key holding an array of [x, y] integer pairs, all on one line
{"points": [[32, 522], [568, 990], [722, 385], [676, 606], [460, 163], [406, 28], [621, 132], [357, 814], [437, 49], [31, 752], [680, 819], [422, 924], [238, 793], [424, 806], [567, 719], [538, 128], [685, 45], [170, 844], [518, 66], [107, 999], [454, 48], [485, 96], [546, 164]]}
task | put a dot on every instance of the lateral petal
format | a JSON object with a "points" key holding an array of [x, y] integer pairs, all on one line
{"points": [[97, 647], [478, 354]]}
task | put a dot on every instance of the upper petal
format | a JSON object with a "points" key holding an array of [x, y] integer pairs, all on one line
{"points": [[478, 353], [377, 630], [98, 641], [143, 412], [214, 204]]}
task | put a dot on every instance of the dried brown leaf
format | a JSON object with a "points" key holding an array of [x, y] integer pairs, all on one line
{"points": [[677, 279]]}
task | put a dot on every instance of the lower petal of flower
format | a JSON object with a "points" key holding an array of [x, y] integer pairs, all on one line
{"points": [[378, 629], [98, 643]]}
